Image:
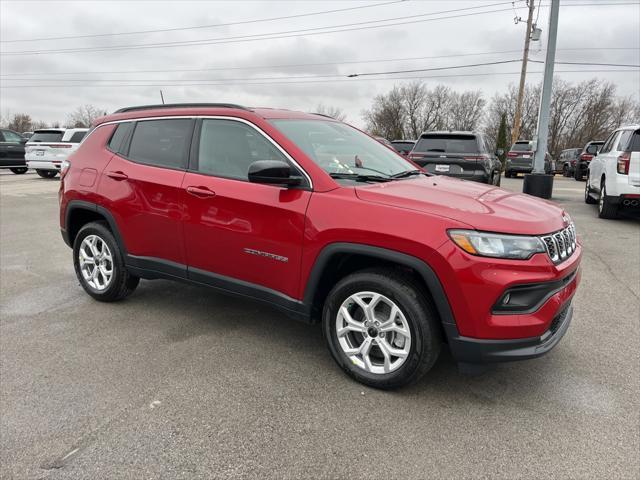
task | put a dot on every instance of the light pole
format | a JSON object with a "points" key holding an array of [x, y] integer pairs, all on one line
{"points": [[538, 183]]}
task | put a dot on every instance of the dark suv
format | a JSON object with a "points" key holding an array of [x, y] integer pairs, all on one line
{"points": [[588, 152], [520, 159], [567, 161], [462, 155], [321, 221], [12, 151]]}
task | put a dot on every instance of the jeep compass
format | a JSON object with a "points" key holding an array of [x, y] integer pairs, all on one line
{"points": [[326, 224]]}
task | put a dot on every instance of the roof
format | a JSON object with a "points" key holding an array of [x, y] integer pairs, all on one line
{"points": [[222, 109], [448, 132]]}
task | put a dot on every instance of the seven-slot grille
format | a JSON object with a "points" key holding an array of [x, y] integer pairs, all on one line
{"points": [[560, 245]]}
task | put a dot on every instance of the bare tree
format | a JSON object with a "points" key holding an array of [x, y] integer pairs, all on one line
{"points": [[331, 111], [465, 110], [414, 96], [387, 115], [84, 116], [435, 112], [20, 122]]}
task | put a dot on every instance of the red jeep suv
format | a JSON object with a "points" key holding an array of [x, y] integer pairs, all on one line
{"points": [[320, 220]]}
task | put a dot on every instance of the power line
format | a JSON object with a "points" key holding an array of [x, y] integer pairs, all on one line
{"points": [[432, 69], [198, 27], [410, 19], [297, 65], [340, 80], [288, 34], [353, 75]]}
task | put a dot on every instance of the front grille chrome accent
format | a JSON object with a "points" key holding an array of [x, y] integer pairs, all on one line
{"points": [[561, 245]]}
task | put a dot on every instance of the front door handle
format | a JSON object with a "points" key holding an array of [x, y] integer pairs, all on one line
{"points": [[201, 192], [119, 176]]}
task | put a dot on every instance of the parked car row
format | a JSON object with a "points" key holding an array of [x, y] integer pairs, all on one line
{"points": [[43, 150], [575, 161]]}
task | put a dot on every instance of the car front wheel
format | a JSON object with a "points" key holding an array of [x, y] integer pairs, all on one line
{"points": [[380, 328], [99, 264]]}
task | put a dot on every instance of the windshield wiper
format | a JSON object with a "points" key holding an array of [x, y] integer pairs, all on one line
{"points": [[408, 173], [360, 178]]}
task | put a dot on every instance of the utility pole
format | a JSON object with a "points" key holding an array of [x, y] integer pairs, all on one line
{"points": [[538, 183], [515, 131]]}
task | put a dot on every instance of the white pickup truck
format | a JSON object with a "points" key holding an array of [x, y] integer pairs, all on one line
{"points": [[613, 179], [47, 149]]}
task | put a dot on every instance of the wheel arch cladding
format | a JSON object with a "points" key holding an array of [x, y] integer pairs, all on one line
{"points": [[339, 259], [79, 213]]}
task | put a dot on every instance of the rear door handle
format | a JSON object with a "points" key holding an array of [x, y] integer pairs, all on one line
{"points": [[119, 176], [201, 192]]}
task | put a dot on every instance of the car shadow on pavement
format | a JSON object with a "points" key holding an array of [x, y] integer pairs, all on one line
{"points": [[192, 313]]}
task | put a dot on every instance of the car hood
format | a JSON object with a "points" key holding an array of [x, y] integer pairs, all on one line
{"points": [[484, 207]]}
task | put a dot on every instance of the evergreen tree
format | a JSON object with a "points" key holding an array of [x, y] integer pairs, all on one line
{"points": [[502, 142]]}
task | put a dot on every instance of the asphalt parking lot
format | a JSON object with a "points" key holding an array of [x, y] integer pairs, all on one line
{"points": [[180, 382]]}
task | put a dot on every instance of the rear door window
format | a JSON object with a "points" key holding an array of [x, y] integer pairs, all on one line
{"points": [[47, 136], [447, 143], [162, 143]]}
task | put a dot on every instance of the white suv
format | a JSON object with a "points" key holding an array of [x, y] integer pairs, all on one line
{"points": [[47, 149], [613, 178]]}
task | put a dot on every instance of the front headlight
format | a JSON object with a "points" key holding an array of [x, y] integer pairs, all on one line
{"points": [[497, 245]]}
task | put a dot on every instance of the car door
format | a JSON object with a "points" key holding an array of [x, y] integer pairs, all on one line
{"points": [[597, 164], [142, 188], [11, 149], [239, 235]]}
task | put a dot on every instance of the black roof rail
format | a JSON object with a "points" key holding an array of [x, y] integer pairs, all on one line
{"points": [[181, 105]]}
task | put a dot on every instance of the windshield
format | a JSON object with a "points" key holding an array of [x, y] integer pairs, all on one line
{"points": [[447, 143], [341, 149]]}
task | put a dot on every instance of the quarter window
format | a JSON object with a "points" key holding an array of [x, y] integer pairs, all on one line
{"points": [[623, 142], [227, 148], [119, 135], [163, 143]]}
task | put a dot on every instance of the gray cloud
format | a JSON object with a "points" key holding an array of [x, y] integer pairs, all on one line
{"points": [[580, 27]]}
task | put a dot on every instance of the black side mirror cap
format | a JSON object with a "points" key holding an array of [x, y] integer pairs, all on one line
{"points": [[272, 172]]}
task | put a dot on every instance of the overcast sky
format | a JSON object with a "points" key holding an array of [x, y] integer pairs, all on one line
{"points": [[49, 84]]}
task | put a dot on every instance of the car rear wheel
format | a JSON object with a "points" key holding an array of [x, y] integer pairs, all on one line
{"points": [[380, 328], [99, 264], [19, 170], [606, 208], [47, 173], [565, 171], [577, 175]]}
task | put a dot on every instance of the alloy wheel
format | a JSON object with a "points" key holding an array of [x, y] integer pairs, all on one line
{"points": [[96, 262], [373, 332]]}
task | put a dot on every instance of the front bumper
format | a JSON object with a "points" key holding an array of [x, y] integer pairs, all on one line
{"points": [[477, 351]]}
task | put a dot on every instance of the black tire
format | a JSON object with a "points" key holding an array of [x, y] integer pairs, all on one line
{"points": [[422, 321], [577, 175], [46, 173], [565, 171], [19, 170], [587, 194], [606, 208], [122, 283], [507, 174]]}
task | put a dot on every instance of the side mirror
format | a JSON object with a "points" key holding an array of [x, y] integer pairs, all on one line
{"points": [[24, 140], [272, 172], [499, 152]]}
